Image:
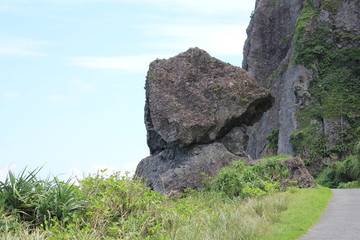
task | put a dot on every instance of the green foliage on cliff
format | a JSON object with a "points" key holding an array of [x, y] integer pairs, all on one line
{"points": [[331, 5], [334, 58], [272, 146], [271, 78], [306, 16], [345, 173]]}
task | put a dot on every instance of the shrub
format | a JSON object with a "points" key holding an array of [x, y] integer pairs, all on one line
{"points": [[119, 206], [239, 180], [338, 174], [273, 138], [38, 201]]}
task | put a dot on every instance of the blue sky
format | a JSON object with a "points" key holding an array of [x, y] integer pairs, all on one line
{"points": [[72, 74]]}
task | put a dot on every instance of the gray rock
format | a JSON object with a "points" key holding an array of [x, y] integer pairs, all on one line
{"points": [[332, 129], [194, 98], [347, 17], [298, 173], [236, 141], [173, 170], [270, 36], [196, 114], [267, 56]]}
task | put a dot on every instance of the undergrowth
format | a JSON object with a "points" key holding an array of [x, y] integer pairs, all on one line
{"points": [[242, 202]]}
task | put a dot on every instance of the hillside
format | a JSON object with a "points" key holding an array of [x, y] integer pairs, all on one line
{"points": [[307, 53]]}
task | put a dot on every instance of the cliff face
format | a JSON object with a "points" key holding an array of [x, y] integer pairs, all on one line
{"points": [[267, 54], [307, 53]]}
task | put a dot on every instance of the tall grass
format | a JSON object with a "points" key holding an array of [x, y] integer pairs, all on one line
{"points": [[304, 209], [233, 219], [36, 202], [120, 207]]}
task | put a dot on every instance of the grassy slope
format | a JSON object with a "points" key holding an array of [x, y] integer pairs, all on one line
{"points": [[281, 216], [119, 207], [305, 208]]}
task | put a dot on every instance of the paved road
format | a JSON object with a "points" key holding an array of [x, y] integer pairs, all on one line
{"points": [[341, 219]]}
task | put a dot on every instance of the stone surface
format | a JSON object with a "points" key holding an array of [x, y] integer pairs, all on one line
{"points": [[270, 35], [194, 98], [299, 173], [267, 56], [173, 170], [236, 141], [197, 112], [347, 17]]}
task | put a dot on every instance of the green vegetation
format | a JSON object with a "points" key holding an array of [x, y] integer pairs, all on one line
{"points": [[334, 58], [239, 180], [242, 202], [304, 209], [244, 101], [271, 78], [273, 139], [331, 5], [343, 174], [306, 16]]}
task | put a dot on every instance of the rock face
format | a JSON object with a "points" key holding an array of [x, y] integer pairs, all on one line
{"points": [[298, 173], [281, 54], [267, 55], [270, 34], [196, 114]]}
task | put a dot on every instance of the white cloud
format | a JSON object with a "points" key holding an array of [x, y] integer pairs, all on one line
{"points": [[205, 6], [199, 6], [75, 173], [129, 167], [85, 86], [21, 47], [12, 95], [129, 63], [60, 98], [216, 39], [4, 8]]}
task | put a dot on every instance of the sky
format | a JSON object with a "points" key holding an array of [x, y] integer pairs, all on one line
{"points": [[72, 75]]}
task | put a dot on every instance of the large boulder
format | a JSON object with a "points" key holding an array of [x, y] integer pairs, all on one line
{"points": [[197, 112], [298, 173], [195, 98], [173, 170]]}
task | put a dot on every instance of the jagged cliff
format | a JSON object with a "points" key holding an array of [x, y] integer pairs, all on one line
{"points": [[307, 53]]}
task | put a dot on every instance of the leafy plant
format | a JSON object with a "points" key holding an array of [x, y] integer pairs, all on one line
{"points": [[120, 206], [340, 173], [38, 201], [272, 146], [239, 180]]}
